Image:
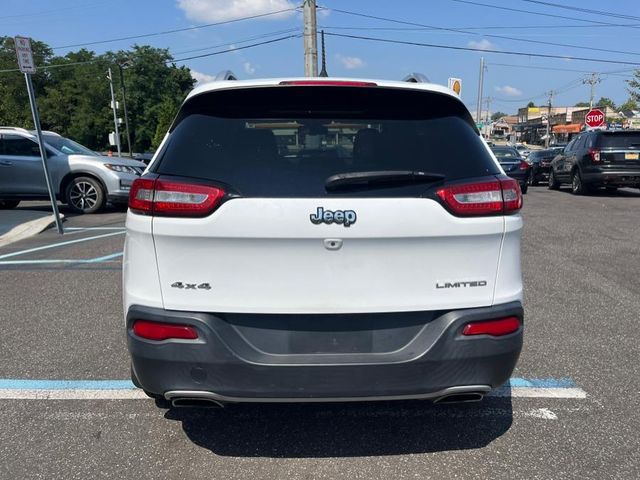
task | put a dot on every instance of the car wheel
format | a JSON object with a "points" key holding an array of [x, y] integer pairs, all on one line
{"points": [[611, 189], [8, 204], [523, 188], [533, 181], [577, 185], [85, 195], [553, 183]]}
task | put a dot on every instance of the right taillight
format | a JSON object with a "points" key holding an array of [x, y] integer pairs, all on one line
{"points": [[163, 331], [595, 155], [493, 197], [173, 198], [495, 328]]}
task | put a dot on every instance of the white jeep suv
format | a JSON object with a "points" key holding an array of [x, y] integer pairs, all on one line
{"points": [[322, 240]]}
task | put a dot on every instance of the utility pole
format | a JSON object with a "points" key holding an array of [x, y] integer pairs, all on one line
{"points": [[480, 87], [488, 100], [310, 39], [124, 106], [592, 80], [549, 102], [115, 112]]}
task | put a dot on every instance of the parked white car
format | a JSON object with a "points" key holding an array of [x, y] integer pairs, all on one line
{"points": [[322, 240], [81, 178]]}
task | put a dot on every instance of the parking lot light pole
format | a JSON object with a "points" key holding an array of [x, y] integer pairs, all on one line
{"points": [[115, 112], [124, 107]]}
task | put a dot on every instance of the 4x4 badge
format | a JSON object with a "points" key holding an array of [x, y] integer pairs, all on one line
{"points": [[343, 217], [191, 286]]}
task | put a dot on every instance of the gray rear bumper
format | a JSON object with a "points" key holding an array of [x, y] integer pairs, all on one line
{"points": [[356, 357]]}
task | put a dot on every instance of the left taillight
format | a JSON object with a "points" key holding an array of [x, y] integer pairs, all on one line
{"points": [[524, 165], [172, 198], [159, 331], [500, 196], [495, 328]]}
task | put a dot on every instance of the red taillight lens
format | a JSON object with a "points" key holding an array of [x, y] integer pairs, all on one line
{"points": [[174, 199], [524, 165], [163, 331], [595, 155], [482, 198], [141, 195], [329, 83], [496, 328]]}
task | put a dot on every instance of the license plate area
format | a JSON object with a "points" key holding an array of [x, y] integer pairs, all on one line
{"points": [[631, 155]]}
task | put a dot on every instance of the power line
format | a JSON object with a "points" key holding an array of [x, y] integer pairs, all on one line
{"points": [[249, 39], [175, 60], [177, 30], [483, 50], [585, 10], [235, 49], [537, 67], [503, 37], [543, 14], [55, 10], [488, 27]]}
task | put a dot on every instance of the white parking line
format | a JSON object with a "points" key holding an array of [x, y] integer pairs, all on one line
{"points": [[60, 244], [75, 394]]}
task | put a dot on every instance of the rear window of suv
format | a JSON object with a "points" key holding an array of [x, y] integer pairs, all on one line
{"points": [[619, 140], [285, 141]]}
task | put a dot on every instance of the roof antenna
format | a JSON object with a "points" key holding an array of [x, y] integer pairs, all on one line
{"points": [[323, 72]]}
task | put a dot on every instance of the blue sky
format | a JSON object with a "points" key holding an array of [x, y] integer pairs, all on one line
{"points": [[510, 81]]}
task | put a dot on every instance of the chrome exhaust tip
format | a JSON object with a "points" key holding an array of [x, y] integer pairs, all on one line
{"points": [[467, 397], [195, 402]]}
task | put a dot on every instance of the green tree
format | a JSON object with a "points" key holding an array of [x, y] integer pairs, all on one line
{"points": [[582, 104], [14, 100], [498, 116], [606, 102], [630, 104], [531, 104]]}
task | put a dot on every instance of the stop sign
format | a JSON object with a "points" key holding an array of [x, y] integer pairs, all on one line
{"points": [[595, 118]]}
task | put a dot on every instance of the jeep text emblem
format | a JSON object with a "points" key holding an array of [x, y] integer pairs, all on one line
{"points": [[344, 217]]}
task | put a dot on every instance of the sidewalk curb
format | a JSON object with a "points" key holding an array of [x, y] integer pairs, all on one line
{"points": [[28, 229]]}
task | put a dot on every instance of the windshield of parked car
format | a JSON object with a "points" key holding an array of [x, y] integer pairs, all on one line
{"points": [[506, 153], [286, 142], [65, 145]]}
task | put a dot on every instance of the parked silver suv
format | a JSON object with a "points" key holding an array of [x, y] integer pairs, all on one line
{"points": [[82, 179]]}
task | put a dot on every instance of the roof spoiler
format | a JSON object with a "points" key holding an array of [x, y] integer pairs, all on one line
{"points": [[416, 78], [225, 75]]}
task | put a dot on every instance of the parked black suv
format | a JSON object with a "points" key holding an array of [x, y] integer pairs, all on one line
{"points": [[598, 158], [540, 161]]}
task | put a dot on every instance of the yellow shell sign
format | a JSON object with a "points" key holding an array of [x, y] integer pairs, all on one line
{"points": [[455, 84]]}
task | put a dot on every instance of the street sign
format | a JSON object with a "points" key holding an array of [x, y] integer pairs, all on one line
{"points": [[594, 118], [25, 62], [25, 56], [455, 84]]}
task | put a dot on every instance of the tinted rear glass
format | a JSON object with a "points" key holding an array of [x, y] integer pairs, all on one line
{"points": [[507, 154], [286, 141], [619, 140]]}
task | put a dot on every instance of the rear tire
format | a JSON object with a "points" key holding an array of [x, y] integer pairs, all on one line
{"points": [[85, 195], [577, 185], [611, 189], [524, 188], [553, 183], [8, 204]]}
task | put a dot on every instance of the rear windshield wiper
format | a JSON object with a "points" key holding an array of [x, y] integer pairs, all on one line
{"points": [[379, 178]]}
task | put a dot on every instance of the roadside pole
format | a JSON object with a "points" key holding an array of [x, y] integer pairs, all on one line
{"points": [[480, 88], [25, 62], [124, 106], [114, 106], [310, 38]]}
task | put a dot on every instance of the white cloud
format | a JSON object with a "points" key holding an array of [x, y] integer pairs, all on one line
{"points": [[483, 44], [350, 63], [248, 68], [509, 91], [201, 77], [222, 10]]}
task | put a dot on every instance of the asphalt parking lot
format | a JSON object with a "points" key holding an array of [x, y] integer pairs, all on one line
{"points": [[571, 410]]}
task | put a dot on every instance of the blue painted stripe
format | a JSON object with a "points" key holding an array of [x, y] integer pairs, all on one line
{"points": [[542, 382], [22, 384], [60, 244], [18, 384]]}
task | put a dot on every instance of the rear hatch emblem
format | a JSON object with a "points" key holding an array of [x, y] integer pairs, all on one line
{"points": [[342, 217]]}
